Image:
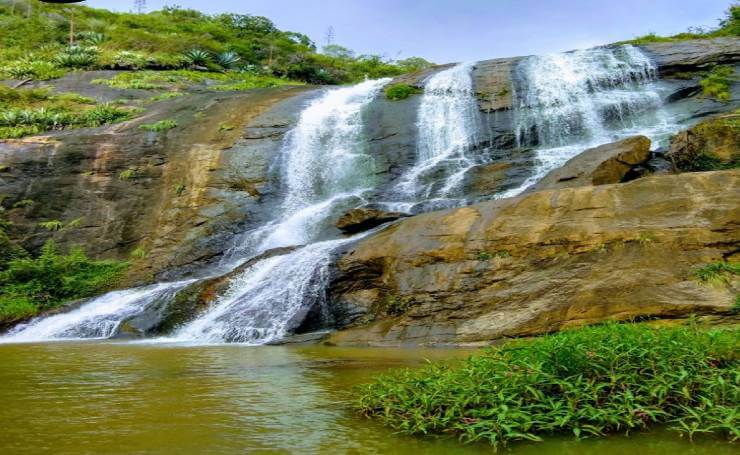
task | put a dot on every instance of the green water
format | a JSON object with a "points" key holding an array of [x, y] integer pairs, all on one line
{"points": [[136, 398]]}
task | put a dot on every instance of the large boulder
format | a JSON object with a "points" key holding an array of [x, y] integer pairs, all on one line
{"points": [[711, 144], [363, 218], [608, 163], [542, 262]]}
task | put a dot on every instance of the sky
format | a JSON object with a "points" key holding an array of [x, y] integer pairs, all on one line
{"points": [[464, 30]]}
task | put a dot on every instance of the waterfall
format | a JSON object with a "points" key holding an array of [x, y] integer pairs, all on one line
{"points": [[448, 125], [568, 102], [325, 170], [100, 318], [564, 103]]}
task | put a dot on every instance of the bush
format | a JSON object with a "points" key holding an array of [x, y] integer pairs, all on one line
{"points": [[717, 83], [587, 382], [401, 91], [30, 285], [162, 125]]}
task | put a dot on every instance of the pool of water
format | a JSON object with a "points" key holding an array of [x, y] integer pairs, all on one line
{"points": [[100, 397]]}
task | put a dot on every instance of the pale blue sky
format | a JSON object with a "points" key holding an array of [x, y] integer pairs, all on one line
{"points": [[458, 30]]}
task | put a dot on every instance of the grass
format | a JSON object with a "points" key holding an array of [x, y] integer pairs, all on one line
{"points": [[162, 125], [586, 382], [25, 112], [30, 285], [182, 79], [396, 92], [719, 272], [728, 26]]}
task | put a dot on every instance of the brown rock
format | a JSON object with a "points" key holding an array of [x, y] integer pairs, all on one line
{"points": [[601, 165], [716, 139], [544, 261], [362, 219]]}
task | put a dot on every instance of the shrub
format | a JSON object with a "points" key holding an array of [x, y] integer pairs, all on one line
{"points": [[401, 91], [103, 114], [162, 125], [587, 382], [127, 174], [30, 285], [717, 83]]}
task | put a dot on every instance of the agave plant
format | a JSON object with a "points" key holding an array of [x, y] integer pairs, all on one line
{"points": [[197, 57], [93, 38], [228, 59], [77, 56]]}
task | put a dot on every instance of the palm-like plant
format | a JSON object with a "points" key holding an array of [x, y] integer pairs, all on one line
{"points": [[228, 59], [197, 57]]}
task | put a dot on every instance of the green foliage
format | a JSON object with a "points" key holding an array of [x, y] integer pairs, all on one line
{"points": [[166, 96], [162, 125], [182, 79], [77, 57], [127, 174], [397, 92], [175, 37], [483, 255], [32, 69], [51, 225], [587, 382], [29, 285], [728, 26], [719, 272], [717, 83], [179, 189], [24, 112]]}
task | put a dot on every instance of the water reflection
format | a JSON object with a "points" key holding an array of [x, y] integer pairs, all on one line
{"points": [[116, 398]]}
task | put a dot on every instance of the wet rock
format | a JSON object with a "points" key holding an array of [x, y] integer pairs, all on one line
{"points": [[362, 219], [608, 163], [543, 261]]}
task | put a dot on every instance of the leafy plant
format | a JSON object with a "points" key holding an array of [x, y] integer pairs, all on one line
{"points": [[23, 203], [228, 59], [32, 69], [52, 225], [586, 382], [162, 125], [29, 285], [77, 57], [397, 92], [197, 57], [179, 189]]}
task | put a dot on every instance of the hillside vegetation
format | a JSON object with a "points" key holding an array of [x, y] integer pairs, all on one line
{"points": [[37, 42], [728, 26]]}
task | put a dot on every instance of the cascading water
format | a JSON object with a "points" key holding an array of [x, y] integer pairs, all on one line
{"points": [[325, 170], [568, 102], [448, 125], [99, 318]]}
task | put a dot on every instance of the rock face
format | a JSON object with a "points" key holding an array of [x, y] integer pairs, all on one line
{"points": [[362, 219], [608, 163], [175, 195], [714, 141], [543, 261], [690, 55]]}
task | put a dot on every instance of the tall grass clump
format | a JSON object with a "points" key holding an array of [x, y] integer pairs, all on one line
{"points": [[586, 382]]}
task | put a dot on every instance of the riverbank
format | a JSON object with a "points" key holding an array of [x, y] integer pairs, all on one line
{"points": [[613, 378]]}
